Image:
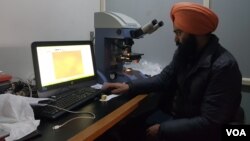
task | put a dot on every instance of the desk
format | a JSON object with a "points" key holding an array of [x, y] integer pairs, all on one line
{"points": [[107, 115]]}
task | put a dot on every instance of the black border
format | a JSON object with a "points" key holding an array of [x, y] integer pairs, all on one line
{"points": [[37, 44]]}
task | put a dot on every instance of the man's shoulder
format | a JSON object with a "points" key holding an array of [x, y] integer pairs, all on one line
{"points": [[224, 59]]}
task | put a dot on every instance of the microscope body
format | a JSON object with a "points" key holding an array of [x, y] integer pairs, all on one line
{"points": [[113, 47]]}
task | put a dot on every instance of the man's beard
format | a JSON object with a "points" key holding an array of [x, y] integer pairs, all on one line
{"points": [[187, 49]]}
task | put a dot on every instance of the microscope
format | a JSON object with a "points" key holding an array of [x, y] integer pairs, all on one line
{"points": [[114, 34]]}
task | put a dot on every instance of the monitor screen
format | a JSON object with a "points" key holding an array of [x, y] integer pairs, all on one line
{"points": [[62, 63]]}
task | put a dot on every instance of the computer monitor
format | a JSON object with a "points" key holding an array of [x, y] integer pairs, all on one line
{"points": [[62, 63]]}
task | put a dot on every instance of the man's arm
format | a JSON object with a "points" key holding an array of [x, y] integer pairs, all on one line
{"points": [[155, 83]]}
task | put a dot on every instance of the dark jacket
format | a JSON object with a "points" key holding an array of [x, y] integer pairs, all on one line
{"points": [[201, 97]]}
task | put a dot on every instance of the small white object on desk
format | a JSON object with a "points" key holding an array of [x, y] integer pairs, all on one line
{"points": [[104, 97], [108, 97]]}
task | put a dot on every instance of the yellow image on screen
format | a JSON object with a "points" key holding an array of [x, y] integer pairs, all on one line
{"points": [[67, 64]]}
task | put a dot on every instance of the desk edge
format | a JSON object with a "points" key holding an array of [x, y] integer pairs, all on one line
{"points": [[102, 125]]}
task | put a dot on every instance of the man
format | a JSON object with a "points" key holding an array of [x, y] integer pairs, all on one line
{"points": [[201, 87]]}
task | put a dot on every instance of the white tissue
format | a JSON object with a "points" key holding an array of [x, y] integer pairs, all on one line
{"points": [[145, 67], [17, 116]]}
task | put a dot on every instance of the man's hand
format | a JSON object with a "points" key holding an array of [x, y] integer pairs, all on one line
{"points": [[152, 131], [116, 88]]}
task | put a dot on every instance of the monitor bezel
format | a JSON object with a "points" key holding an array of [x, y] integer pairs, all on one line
{"points": [[37, 44]]}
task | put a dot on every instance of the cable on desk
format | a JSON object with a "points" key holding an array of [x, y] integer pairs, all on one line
{"points": [[80, 117], [74, 112]]}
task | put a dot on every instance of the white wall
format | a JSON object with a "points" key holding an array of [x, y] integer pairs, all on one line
{"points": [[234, 35], [25, 21]]}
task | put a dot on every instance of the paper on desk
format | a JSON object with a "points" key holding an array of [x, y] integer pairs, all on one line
{"points": [[97, 86], [17, 116]]}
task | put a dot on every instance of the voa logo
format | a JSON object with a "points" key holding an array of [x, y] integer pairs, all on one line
{"points": [[236, 132]]}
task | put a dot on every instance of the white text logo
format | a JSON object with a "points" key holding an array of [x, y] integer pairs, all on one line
{"points": [[236, 132]]}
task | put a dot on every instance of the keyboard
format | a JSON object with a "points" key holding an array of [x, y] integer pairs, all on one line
{"points": [[68, 100]]}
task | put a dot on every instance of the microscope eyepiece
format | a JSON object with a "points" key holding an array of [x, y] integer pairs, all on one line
{"points": [[160, 23], [146, 29], [154, 22], [149, 26]]}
